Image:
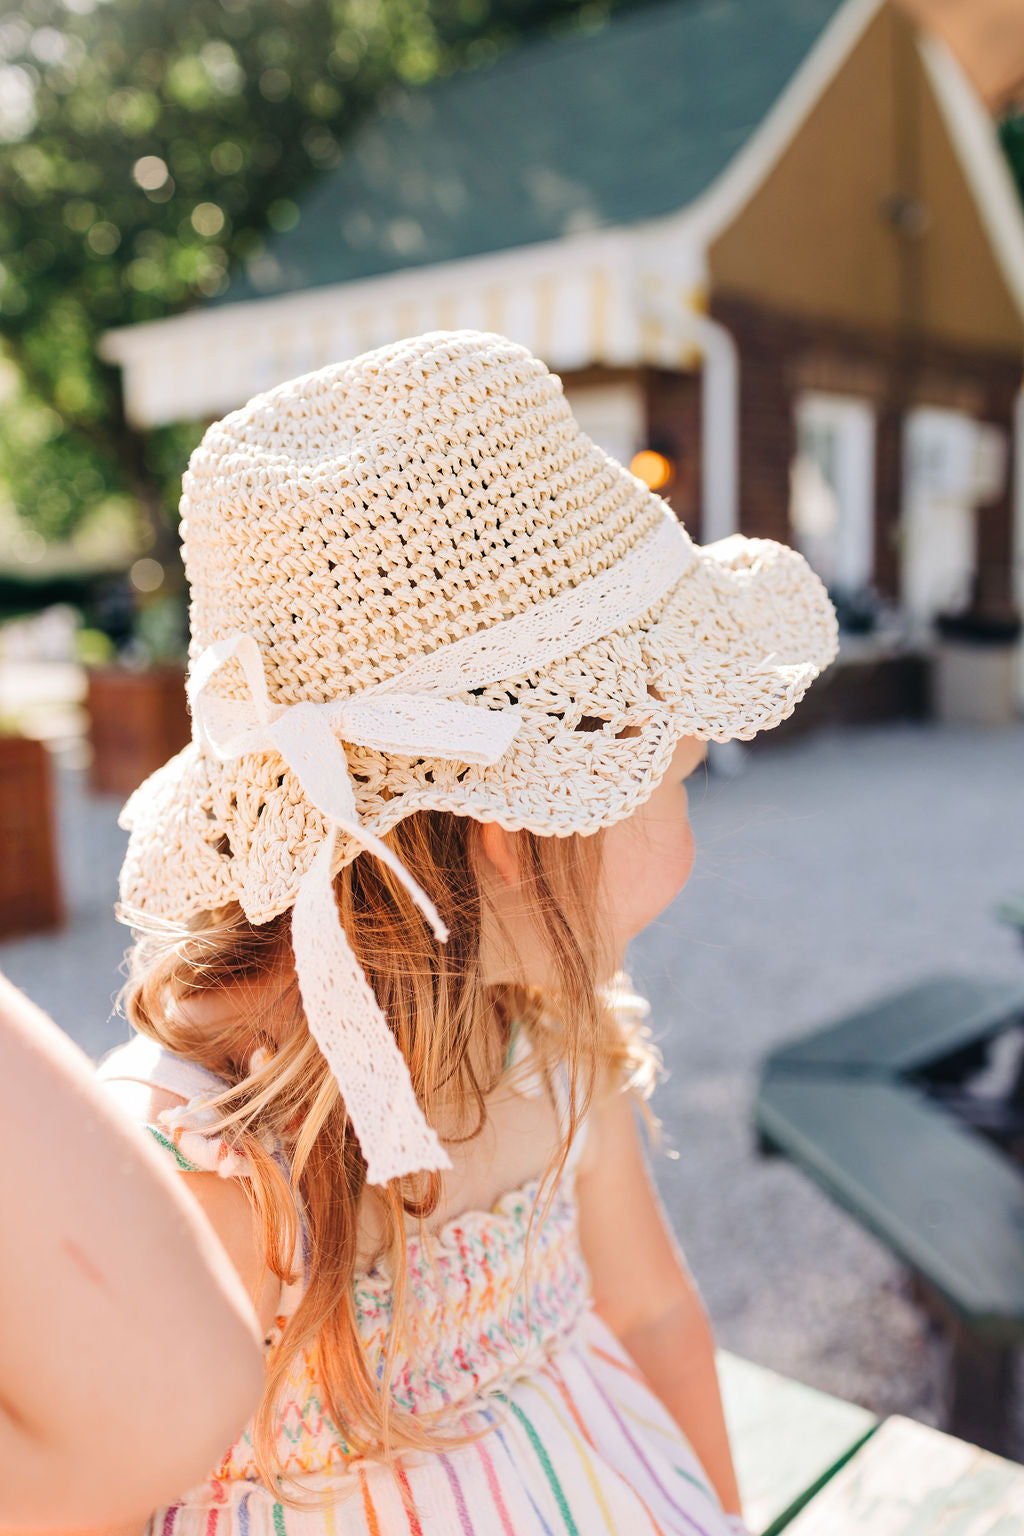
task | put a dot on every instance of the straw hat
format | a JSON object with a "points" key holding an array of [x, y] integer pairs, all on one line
{"points": [[416, 583]]}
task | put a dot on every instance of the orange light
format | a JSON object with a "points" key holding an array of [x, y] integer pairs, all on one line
{"points": [[652, 468]]}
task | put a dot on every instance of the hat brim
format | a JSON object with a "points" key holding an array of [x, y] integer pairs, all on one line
{"points": [[728, 652]]}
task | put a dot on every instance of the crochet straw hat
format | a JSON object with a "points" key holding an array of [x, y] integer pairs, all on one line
{"points": [[416, 583]]}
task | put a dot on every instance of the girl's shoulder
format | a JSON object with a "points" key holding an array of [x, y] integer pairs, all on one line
{"points": [[168, 1097], [175, 1109]]}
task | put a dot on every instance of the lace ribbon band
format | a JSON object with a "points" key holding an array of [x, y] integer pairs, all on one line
{"points": [[411, 713]]}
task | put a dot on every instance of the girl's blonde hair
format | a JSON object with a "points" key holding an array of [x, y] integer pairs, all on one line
{"points": [[446, 1019]]}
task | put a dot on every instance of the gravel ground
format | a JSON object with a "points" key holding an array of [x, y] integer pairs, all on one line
{"points": [[831, 869]]}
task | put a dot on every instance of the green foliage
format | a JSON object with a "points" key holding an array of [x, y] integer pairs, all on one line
{"points": [[50, 475], [144, 151], [1011, 132]]}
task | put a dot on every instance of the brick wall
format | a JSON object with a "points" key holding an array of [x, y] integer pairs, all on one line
{"points": [[781, 355], [671, 404], [673, 413]]}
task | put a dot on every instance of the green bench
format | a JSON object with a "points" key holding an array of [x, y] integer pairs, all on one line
{"points": [[787, 1440], [847, 1105], [1011, 912], [811, 1465]]}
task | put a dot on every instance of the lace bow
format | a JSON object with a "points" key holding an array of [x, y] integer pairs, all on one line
{"points": [[412, 714], [343, 1014]]}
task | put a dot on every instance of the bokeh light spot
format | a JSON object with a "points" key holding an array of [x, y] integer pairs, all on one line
{"points": [[103, 238], [147, 575], [654, 469], [207, 219], [150, 172]]}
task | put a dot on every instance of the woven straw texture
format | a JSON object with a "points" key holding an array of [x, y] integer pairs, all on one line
{"points": [[358, 518]]}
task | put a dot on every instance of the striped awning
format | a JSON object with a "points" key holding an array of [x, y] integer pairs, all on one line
{"points": [[576, 302]]}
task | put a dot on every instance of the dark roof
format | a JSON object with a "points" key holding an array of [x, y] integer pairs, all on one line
{"points": [[556, 136]]}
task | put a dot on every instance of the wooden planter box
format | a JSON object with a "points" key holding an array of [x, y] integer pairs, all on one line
{"points": [[137, 720], [30, 894]]}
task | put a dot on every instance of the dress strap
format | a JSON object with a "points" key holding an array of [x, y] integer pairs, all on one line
{"points": [[142, 1060], [560, 1087], [562, 1097]]}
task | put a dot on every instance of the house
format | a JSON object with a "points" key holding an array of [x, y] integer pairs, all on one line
{"points": [[771, 246]]}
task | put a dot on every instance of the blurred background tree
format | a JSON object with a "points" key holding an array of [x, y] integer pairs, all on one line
{"points": [[1011, 131], [146, 149]]}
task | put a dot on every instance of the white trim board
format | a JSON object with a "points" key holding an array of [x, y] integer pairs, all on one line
{"points": [[981, 159], [573, 302]]}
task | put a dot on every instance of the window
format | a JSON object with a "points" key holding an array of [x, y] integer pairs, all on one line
{"points": [[832, 500], [952, 464], [612, 416]]}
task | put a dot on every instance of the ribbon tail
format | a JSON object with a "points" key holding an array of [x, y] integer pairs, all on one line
{"points": [[346, 1021], [381, 850]]}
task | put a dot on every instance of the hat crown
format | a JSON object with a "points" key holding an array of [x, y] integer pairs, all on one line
{"points": [[367, 513]]}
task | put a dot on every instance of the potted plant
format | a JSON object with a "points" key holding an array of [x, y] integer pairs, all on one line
{"points": [[30, 891], [138, 715]]}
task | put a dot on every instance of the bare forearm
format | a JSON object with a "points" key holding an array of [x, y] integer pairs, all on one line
{"points": [[643, 1290], [676, 1353]]}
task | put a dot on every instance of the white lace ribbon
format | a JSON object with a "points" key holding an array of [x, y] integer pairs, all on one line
{"points": [[410, 713]]}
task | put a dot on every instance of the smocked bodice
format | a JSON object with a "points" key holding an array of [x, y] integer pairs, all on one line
{"points": [[489, 1294], [488, 1300]]}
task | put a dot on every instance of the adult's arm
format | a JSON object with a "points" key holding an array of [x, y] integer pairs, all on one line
{"points": [[129, 1351]]}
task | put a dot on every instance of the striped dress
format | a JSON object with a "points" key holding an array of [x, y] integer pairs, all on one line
{"points": [[575, 1442]]}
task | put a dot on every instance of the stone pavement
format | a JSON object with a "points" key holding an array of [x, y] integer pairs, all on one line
{"points": [[830, 870]]}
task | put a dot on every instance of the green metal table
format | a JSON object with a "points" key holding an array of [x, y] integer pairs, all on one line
{"points": [[812, 1465]]}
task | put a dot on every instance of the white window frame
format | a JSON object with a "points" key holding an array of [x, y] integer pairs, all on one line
{"points": [[612, 416], [845, 557]]}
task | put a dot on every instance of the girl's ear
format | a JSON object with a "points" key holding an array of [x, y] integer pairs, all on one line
{"points": [[499, 849]]}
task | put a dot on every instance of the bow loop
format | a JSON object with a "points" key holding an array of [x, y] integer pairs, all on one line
{"points": [[230, 727], [427, 724]]}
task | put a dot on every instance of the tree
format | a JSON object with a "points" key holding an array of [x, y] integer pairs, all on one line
{"points": [[147, 149], [1011, 132]]}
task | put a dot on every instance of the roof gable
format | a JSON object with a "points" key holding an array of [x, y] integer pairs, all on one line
{"points": [[556, 137], [898, 136]]}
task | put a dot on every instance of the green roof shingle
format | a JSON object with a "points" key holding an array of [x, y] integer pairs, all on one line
{"points": [[554, 137]]}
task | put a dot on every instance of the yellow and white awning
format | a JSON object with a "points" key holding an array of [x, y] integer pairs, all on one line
{"points": [[574, 302]]}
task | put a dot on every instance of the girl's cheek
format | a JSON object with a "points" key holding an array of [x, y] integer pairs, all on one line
{"points": [[645, 875], [670, 872]]}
